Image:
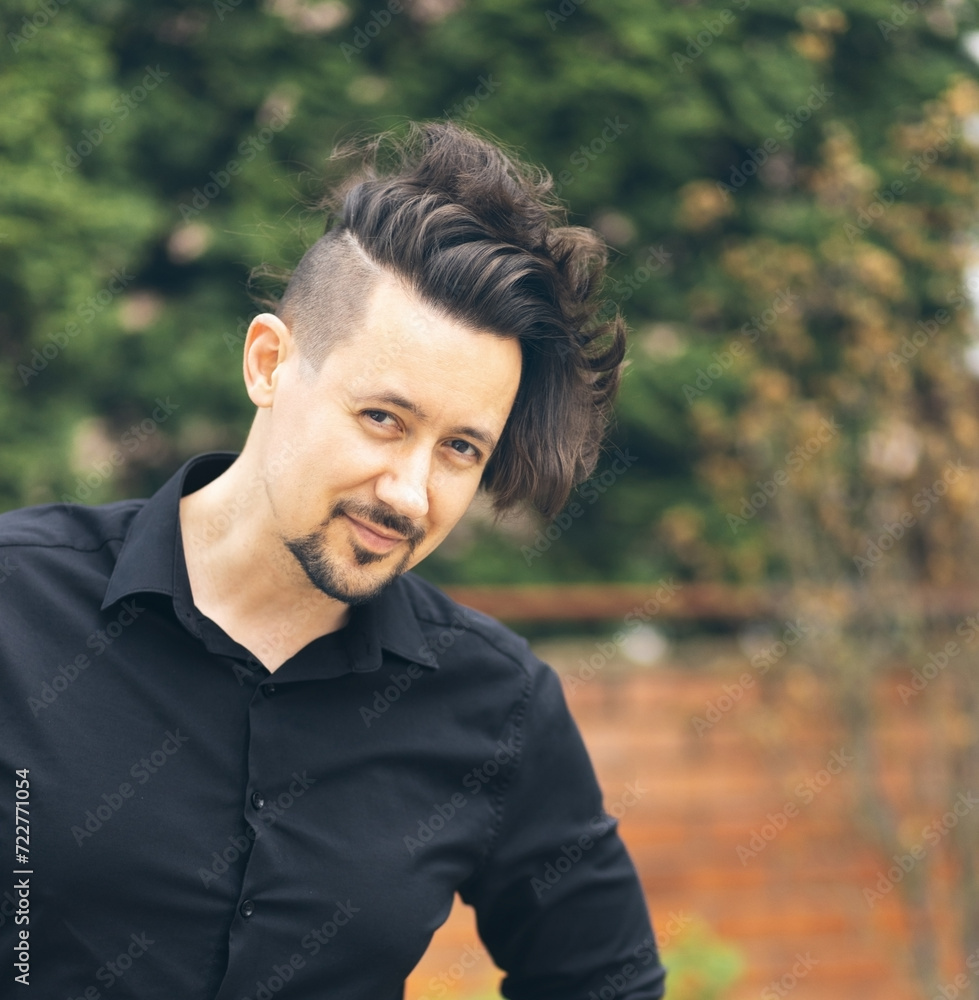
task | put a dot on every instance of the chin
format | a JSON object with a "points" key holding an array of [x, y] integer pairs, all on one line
{"points": [[349, 585], [356, 589]]}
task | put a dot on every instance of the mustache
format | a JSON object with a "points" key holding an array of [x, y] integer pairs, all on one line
{"points": [[381, 515]]}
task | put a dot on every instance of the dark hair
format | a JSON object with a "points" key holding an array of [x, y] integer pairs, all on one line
{"points": [[474, 232]]}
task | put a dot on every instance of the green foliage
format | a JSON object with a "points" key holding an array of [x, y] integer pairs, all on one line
{"points": [[701, 966], [222, 115]]}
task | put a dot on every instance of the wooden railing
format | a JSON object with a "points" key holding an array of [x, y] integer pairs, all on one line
{"points": [[669, 599]]}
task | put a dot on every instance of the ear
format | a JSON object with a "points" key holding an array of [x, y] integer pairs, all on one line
{"points": [[267, 344]]}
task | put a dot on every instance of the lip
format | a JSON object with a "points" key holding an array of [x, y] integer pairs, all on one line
{"points": [[373, 539]]}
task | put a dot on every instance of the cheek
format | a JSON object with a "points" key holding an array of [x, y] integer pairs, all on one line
{"points": [[449, 499], [447, 504], [335, 458]]}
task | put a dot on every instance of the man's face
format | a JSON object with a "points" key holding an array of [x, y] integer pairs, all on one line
{"points": [[392, 437]]}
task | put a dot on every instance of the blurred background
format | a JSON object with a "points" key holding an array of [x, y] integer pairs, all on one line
{"points": [[763, 603]]}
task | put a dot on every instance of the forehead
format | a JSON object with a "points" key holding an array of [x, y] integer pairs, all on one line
{"points": [[401, 346]]}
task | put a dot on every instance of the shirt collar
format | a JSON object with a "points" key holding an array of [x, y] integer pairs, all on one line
{"points": [[151, 560]]}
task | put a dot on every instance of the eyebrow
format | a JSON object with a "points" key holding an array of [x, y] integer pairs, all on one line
{"points": [[392, 398]]}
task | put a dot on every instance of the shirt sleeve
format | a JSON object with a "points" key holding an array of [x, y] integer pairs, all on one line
{"points": [[558, 902]]}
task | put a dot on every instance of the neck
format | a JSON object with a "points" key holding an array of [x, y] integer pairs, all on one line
{"points": [[241, 574]]}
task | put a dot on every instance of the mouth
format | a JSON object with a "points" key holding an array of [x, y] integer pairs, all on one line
{"points": [[372, 538]]}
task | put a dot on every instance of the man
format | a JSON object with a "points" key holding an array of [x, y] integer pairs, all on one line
{"points": [[253, 755]]}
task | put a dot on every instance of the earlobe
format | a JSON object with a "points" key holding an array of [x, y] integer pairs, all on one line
{"points": [[267, 344]]}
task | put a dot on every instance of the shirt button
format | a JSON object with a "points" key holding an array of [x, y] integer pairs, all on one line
{"points": [[247, 908], [257, 800], [268, 690]]}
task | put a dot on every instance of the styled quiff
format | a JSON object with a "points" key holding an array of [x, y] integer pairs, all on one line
{"points": [[477, 235]]}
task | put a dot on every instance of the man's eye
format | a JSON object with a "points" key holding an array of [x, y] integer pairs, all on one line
{"points": [[377, 416], [464, 448]]}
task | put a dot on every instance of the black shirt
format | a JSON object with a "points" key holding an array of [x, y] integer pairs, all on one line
{"points": [[203, 829]]}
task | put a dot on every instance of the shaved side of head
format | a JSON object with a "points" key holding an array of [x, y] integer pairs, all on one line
{"points": [[327, 296]]}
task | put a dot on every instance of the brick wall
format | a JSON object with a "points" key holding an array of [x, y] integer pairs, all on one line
{"points": [[765, 766]]}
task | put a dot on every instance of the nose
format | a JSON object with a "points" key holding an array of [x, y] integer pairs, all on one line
{"points": [[403, 486]]}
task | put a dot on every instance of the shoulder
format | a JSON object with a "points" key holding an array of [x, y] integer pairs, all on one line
{"points": [[447, 624], [486, 662], [59, 556], [68, 526]]}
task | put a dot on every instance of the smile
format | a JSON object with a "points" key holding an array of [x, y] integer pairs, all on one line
{"points": [[373, 538]]}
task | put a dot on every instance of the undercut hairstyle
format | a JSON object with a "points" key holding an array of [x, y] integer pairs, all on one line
{"points": [[478, 236]]}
